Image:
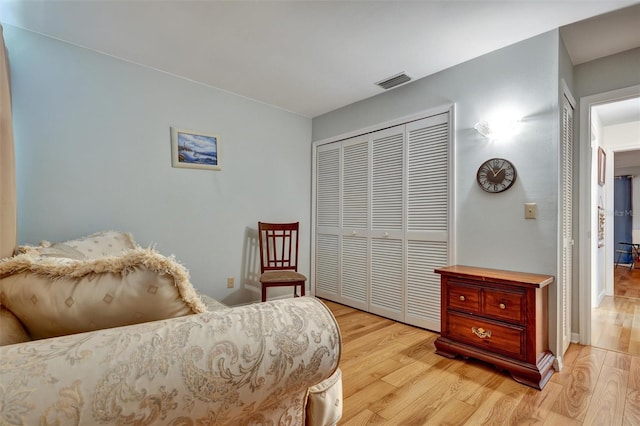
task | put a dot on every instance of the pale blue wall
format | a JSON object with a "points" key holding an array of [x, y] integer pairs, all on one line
{"points": [[490, 228], [609, 73], [93, 153]]}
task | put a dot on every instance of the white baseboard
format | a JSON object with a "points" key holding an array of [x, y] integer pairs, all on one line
{"points": [[558, 364], [575, 337]]}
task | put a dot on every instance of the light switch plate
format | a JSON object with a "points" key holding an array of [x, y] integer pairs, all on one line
{"points": [[530, 210]]}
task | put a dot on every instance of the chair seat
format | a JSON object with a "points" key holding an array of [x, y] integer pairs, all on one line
{"points": [[281, 277]]}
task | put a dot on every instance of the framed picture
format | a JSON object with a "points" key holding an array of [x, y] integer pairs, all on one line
{"points": [[600, 226], [195, 150], [602, 164]]}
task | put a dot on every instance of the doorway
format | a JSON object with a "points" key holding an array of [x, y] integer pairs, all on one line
{"points": [[615, 315], [605, 120]]}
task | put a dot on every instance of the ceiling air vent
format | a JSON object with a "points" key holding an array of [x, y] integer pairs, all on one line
{"points": [[394, 81]]}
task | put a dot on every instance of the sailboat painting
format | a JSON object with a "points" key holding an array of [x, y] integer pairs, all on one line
{"points": [[195, 150]]}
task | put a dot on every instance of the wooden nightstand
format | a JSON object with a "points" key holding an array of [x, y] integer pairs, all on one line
{"points": [[497, 316]]}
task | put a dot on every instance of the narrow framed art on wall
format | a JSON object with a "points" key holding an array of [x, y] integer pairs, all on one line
{"points": [[601, 220], [195, 150]]}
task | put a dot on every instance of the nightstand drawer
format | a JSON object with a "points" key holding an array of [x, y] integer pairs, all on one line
{"points": [[489, 335], [505, 305], [464, 298]]}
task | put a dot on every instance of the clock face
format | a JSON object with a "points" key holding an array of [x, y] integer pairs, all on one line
{"points": [[496, 175]]}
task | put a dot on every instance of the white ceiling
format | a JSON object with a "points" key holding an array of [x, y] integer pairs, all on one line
{"points": [[311, 57], [619, 112], [603, 35], [624, 160]]}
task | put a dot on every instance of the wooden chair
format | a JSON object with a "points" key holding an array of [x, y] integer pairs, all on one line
{"points": [[279, 257]]}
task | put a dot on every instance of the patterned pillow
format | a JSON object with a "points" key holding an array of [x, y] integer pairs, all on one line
{"points": [[94, 246], [54, 295], [109, 243]]}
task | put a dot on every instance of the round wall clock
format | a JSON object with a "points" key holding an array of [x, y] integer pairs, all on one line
{"points": [[496, 175]]}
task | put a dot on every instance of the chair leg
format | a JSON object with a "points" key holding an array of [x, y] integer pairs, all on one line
{"points": [[264, 293], [295, 290]]}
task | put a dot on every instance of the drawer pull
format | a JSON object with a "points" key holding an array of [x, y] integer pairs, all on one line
{"points": [[462, 298], [481, 332], [503, 306]]}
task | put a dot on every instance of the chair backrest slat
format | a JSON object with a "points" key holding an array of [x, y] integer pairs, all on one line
{"points": [[278, 246]]}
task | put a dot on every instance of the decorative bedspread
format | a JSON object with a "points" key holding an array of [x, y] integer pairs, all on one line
{"points": [[245, 365]]}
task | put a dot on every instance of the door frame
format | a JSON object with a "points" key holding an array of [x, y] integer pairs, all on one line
{"points": [[587, 207]]}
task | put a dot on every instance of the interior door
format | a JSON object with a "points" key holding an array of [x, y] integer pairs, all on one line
{"points": [[428, 198], [566, 275], [354, 271], [387, 225], [327, 221]]}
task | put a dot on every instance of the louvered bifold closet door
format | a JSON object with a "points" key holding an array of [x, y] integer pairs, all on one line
{"points": [[354, 271], [428, 176], [382, 220], [566, 279], [387, 227], [327, 221]]}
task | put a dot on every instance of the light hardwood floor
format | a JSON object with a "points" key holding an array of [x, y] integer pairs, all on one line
{"points": [[615, 324], [392, 376]]}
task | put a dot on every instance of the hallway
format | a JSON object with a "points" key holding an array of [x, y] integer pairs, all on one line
{"points": [[616, 322]]}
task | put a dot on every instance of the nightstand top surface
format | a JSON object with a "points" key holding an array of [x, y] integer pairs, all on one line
{"points": [[498, 275]]}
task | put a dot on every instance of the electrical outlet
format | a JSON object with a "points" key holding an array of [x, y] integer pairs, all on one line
{"points": [[230, 282]]}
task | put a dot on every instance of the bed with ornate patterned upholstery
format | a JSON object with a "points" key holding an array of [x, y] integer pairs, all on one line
{"points": [[101, 331]]}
